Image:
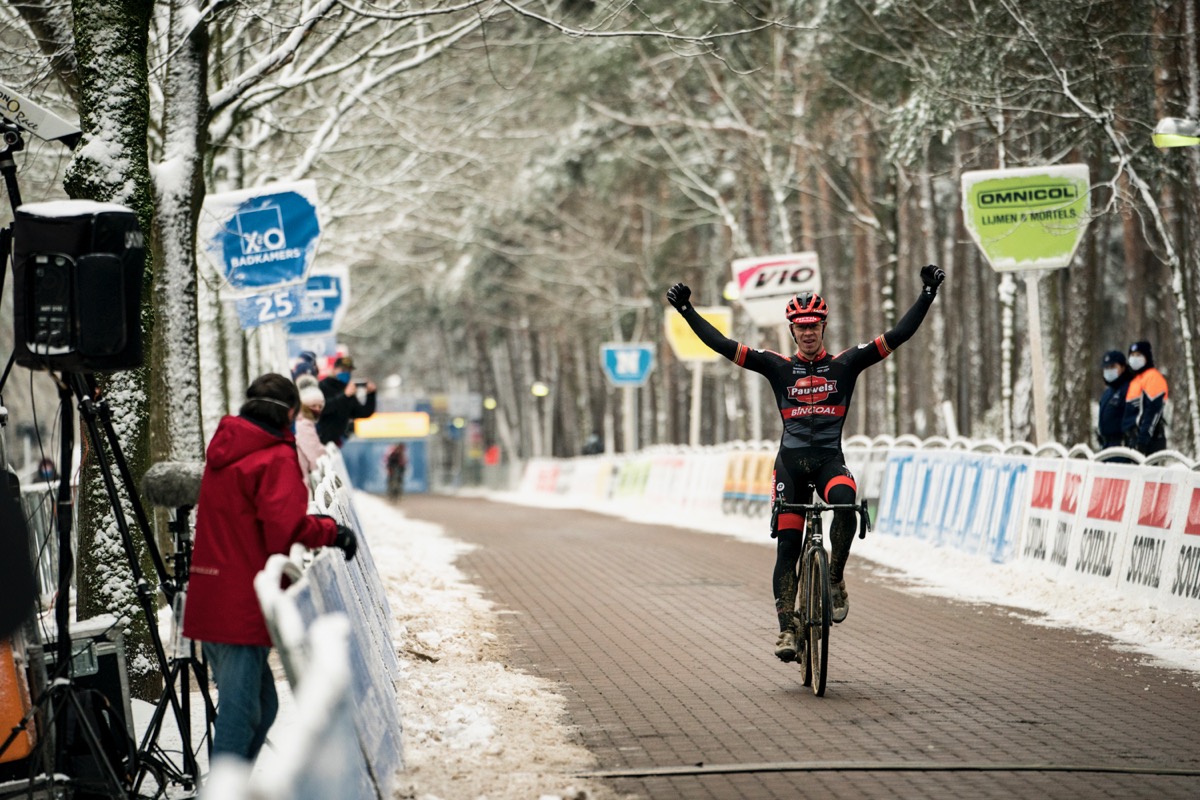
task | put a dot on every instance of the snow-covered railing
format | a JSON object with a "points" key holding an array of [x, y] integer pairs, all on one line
{"points": [[1112, 519]]}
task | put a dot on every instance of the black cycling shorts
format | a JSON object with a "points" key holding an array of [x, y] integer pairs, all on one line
{"points": [[795, 469]]}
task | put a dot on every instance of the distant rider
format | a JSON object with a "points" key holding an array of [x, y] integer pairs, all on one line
{"points": [[812, 390]]}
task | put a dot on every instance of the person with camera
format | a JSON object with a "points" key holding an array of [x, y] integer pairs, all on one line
{"points": [[812, 390], [342, 405], [253, 503]]}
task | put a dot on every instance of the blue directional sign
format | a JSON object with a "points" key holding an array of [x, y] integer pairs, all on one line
{"points": [[264, 237], [322, 305], [627, 364], [269, 307]]}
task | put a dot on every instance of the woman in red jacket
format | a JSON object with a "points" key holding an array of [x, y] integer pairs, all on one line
{"points": [[253, 503]]}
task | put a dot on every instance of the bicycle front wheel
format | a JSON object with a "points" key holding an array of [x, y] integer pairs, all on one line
{"points": [[802, 617], [819, 618]]}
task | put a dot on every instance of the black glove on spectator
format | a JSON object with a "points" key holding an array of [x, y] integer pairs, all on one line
{"points": [[932, 276], [346, 541], [679, 295]]}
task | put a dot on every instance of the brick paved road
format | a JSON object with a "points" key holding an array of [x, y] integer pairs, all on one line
{"points": [[662, 641]]}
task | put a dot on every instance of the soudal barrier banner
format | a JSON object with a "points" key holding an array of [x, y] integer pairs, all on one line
{"points": [[1182, 569], [1103, 524], [261, 238], [766, 283], [1051, 508], [1128, 530], [1159, 502]]}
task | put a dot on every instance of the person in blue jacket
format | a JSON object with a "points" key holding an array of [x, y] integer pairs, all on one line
{"points": [[1110, 430]]}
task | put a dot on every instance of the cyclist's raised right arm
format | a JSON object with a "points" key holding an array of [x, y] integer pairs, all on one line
{"points": [[760, 361], [680, 296]]}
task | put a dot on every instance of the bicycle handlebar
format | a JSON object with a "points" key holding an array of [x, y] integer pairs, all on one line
{"points": [[818, 506]]}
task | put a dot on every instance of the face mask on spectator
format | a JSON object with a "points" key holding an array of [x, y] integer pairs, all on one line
{"points": [[1136, 362], [1110, 374], [344, 377]]}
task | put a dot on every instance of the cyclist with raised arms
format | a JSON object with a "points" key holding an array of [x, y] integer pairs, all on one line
{"points": [[812, 389]]}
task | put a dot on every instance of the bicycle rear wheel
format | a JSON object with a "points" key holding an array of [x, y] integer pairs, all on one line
{"points": [[819, 619]]}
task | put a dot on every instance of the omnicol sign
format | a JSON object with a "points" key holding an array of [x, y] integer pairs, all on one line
{"points": [[1028, 218]]}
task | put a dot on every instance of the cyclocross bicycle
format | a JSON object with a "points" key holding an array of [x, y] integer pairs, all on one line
{"points": [[813, 605]]}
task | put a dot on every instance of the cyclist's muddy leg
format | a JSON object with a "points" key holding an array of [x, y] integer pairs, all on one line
{"points": [[841, 531], [787, 554]]}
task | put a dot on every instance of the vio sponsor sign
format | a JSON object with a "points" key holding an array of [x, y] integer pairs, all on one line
{"points": [[766, 283]]}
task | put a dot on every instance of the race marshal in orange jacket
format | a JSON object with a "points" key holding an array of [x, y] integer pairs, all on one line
{"points": [[1145, 402]]}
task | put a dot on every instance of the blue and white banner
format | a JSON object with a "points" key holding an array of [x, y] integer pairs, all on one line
{"points": [[264, 237], [628, 363], [323, 303], [266, 308]]}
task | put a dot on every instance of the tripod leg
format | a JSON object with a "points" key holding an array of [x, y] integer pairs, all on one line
{"points": [[88, 407], [94, 407]]}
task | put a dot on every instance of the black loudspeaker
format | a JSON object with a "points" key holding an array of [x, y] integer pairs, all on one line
{"points": [[77, 285]]}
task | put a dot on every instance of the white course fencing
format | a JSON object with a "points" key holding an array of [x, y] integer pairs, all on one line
{"points": [[1112, 520]]}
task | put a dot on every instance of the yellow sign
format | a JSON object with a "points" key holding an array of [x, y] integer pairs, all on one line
{"points": [[685, 344], [393, 425]]}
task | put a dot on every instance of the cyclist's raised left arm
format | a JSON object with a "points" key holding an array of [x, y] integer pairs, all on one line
{"points": [[931, 277]]}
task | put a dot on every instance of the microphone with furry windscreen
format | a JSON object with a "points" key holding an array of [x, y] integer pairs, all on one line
{"points": [[173, 484]]}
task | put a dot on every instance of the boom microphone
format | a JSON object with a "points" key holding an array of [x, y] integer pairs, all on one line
{"points": [[173, 484]]}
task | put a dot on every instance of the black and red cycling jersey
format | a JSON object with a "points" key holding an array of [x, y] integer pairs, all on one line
{"points": [[813, 395]]}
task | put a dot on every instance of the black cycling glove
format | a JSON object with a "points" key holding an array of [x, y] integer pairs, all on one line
{"points": [[932, 276], [679, 296]]}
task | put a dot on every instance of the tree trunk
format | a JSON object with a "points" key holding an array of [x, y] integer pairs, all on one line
{"points": [[180, 192], [111, 39]]}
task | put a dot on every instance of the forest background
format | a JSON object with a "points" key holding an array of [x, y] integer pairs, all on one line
{"points": [[513, 184]]}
